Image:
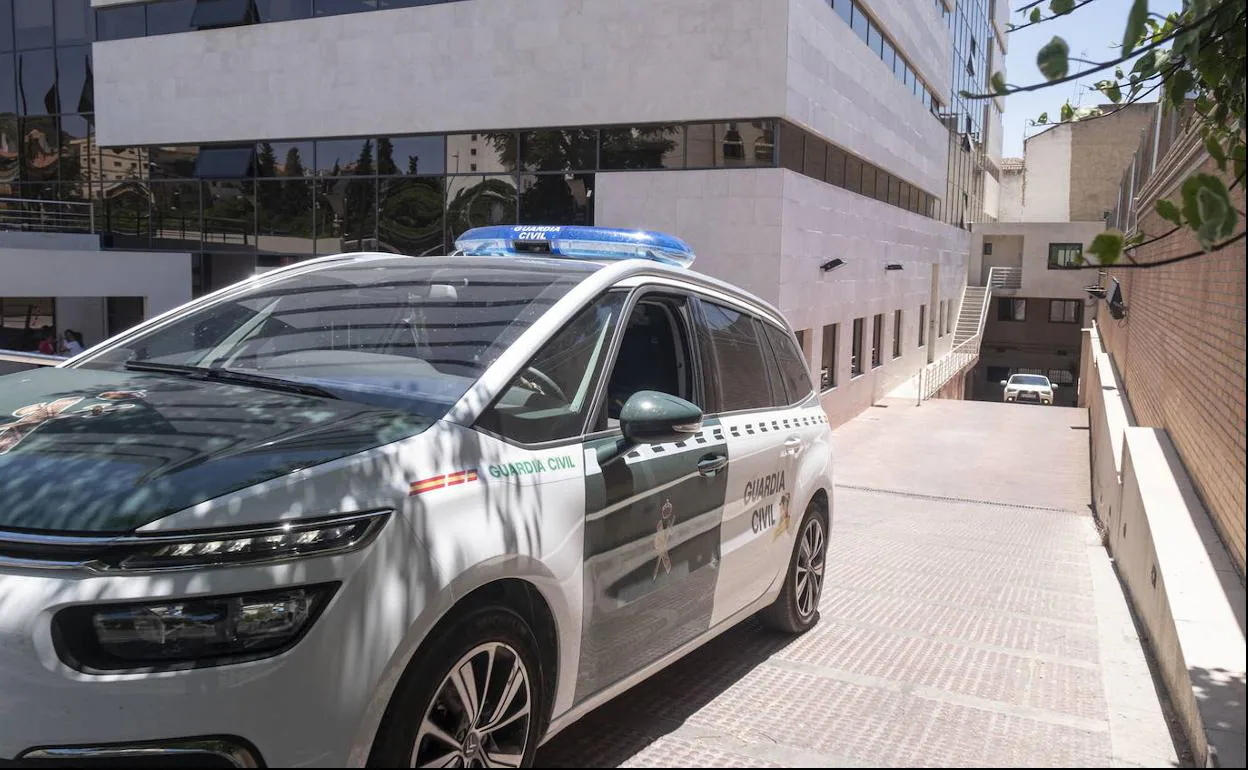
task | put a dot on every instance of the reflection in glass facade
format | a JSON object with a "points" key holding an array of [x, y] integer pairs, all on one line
{"points": [[966, 119]]}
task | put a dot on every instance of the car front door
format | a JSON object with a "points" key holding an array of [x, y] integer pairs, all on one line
{"points": [[652, 527]]}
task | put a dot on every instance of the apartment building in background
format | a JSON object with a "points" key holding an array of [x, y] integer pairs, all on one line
{"points": [[1053, 202], [815, 152]]}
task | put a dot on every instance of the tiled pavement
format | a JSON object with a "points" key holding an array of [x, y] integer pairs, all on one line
{"points": [[970, 618]]}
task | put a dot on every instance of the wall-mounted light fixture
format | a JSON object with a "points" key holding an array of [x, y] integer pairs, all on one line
{"points": [[894, 266], [831, 264]]}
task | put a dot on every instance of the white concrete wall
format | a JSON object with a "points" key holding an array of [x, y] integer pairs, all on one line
{"points": [[164, 279], [457, 66], [1179, 578], [992, 197], [917, 27], [86, 315], [1011, 206], [839, 89], [1038, 279], [1046, 183], [768, 230]]}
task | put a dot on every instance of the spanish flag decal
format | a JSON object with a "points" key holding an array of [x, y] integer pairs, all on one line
{"points": [[439, 482]]}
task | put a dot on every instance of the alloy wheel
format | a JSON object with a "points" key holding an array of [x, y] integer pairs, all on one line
{"points": [[809, 567], [479, 715]]}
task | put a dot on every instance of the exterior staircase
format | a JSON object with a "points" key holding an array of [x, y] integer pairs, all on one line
{"points": [[967, 336], [974, 299]]}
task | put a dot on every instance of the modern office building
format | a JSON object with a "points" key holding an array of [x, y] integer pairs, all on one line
{"points": [[812, 151]]}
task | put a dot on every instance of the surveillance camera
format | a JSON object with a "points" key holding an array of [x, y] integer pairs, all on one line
{"points": [[831, 264]]}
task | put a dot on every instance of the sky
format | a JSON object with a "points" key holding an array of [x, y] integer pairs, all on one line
{"points": [[1093, 32]]}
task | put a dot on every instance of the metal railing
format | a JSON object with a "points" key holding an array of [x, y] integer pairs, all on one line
{"points": [[937, 374], [1005, 278], [47, 216]]}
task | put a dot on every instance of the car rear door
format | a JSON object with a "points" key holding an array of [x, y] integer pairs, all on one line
{"points": [[750, 407]]}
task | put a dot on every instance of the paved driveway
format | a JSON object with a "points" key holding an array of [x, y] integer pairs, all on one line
{"points": [[970, 617]]}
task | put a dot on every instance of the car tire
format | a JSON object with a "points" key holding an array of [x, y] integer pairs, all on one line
{"points": [[796, 610], [492, 651]]}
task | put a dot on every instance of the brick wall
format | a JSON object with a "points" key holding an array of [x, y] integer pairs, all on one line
{"points": [[1100, 150], [1180, 353]]}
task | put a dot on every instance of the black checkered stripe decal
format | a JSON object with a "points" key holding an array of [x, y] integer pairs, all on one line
{"points": [[709, 435], [717, 433], [767, 426]]}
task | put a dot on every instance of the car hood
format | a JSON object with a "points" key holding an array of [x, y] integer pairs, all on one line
{"points": [[1032, 388], [102, 451]]}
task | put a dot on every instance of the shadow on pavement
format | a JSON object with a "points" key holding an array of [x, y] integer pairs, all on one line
{"points": [[627, 724]]}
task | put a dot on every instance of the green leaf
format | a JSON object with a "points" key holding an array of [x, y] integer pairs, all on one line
{"points": [[1118, 73], [1035, 16], [1217, 217], [1207, 208], [1169, 211], [1214, 147], [1107, 247], [998, 83], [1178, 86], [1136, 19], [1054, 59], [1043, 119], [1061, 6], [1068, 112], [1111, 90]]}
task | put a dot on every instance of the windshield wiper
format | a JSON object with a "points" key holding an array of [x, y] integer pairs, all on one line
{"points": [[233, 375]]}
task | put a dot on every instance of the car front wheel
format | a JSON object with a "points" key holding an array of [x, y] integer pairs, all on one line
{"points": [[797, 607], [473, 697]]}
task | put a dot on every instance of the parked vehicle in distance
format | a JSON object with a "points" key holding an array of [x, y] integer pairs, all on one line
{"points": [[1028, 389], [380, 510]]}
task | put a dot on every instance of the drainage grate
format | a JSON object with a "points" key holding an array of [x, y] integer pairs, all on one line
{"points": [[944, 499]]}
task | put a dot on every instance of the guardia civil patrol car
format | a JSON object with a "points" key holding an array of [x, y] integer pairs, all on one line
{"points": [[373, 509]]}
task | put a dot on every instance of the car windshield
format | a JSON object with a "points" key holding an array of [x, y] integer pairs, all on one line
{"points": [[1030, 379], [406, 333]]}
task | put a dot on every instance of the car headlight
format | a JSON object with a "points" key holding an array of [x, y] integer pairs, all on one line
{"points": [[164, 635], [264, 544]]}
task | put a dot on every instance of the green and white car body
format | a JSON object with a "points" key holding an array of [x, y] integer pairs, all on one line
{"points": [[286, 518]]}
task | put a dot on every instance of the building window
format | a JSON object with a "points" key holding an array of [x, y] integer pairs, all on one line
{"points": [[855, 360], [1065, 255], [1065, 311], [214, 14], [897, 333], [987, 249], [997, 373], [827, 364], [877, 341], [1011, 309], [922, 325]]}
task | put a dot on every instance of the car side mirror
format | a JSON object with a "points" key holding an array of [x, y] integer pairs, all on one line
{"points": [[650, 417], [1003, 383], [1053, 385]]}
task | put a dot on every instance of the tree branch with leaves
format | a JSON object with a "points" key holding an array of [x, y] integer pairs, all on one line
{"points": [[1195, 56]]}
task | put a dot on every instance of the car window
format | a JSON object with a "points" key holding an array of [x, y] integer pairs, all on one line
{"points": [[1030, 379], [413, 334], [550, 398], [654, 354], [792, 370], [733, 360]]}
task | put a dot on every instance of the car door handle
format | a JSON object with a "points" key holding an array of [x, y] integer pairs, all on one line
{"points": [[710, 465], [792, 445]]}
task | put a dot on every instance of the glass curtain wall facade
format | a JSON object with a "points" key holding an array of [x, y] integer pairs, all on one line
{"points": [[966, 119]]}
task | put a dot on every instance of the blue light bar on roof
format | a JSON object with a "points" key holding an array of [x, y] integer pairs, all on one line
{"points": [[592, 243]]}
